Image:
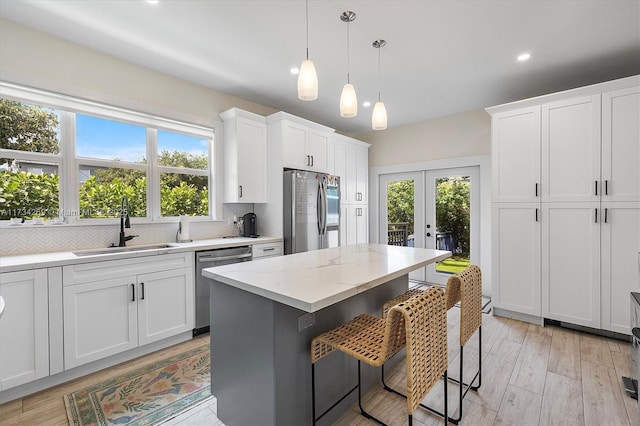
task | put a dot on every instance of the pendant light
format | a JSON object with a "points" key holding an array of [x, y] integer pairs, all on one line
{"points": [[348, 99], [307, 78], [379, 116]]}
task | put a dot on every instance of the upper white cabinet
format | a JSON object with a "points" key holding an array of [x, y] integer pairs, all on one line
{"points": [[114, 306], [515, 151], [245, 157], [620, 146], [24, 328], [305, 144], [571, 150], [587, 210]]}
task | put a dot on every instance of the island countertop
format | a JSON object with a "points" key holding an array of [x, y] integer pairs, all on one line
{"points": [[317, 279]]}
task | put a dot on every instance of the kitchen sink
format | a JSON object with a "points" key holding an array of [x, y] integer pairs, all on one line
{"points": [[111, 250]]}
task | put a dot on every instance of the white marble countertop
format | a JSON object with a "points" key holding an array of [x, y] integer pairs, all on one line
{"points": [[45, 260], [313, 280]]}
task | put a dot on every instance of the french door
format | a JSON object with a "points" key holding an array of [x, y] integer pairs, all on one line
{"points": [[437, 209]]}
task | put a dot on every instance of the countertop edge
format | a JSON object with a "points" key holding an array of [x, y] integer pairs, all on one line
{"points": [[27, 262]]}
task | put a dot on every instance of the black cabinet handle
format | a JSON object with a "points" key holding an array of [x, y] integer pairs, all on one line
{"points": [[240, 189], [308, 160], [536, 189], [536, 214], [596, 210], [596, 182], [142, 285], [605, 215], [606, 187], [312, 161], [133, 292]]}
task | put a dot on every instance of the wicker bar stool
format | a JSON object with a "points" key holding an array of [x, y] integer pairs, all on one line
{"points": [[464, 287], [419, 323]]}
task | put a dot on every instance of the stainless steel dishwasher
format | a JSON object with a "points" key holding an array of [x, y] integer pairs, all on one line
{"points": [[209, 259]]}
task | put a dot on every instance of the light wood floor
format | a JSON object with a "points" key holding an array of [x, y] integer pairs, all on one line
{"points": [[531, 375]]}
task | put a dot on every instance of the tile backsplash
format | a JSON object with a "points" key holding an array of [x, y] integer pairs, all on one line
{"points": [[26, 239]]}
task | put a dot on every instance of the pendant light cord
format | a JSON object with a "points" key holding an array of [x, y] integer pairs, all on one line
{"points": [[379, 84], [348, 56], [307, 19]]}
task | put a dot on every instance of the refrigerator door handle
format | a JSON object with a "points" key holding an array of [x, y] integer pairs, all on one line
{"points": [[319, 207], [323, 196]]}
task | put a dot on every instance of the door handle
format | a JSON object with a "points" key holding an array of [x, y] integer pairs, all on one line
{"points": [[536, 214], [142, 296], [606, 187], [133, 292], [606, 210], [536, 189], [312, 161], [596, 212], [240, 191], [596, 182]]}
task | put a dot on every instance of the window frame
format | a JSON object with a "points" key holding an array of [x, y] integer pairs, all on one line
{"points": [[69, 164]]}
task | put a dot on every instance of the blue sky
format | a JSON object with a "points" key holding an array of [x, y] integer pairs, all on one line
{"points": [[101, 138]]}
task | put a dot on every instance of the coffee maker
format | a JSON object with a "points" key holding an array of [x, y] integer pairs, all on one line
{"points": [[249, 225]]}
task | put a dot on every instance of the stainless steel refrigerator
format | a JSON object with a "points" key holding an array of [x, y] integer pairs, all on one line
{"points": [[311, 211]]}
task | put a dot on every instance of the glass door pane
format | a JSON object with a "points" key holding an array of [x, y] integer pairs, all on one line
{"points": [[451, 216], [402, 212]]}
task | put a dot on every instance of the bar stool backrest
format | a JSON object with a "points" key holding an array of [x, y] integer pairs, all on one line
{"points": [[425, 320], [466, 287]]}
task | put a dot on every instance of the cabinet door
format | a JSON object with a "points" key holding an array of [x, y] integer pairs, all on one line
{"points": [[571, 150], [294, 146], [362, 224], [100, 319], [344, 224], [515, 149], [351, 175], [165, 304], [362, 174], [516, 257], [24, 328], [252, 158], [340, 169], [571, 262], [318, 145], [620, 230], [621, 145]]}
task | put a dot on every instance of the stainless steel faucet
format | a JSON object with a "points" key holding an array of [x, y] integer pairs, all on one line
{"points": [[124, 222]]}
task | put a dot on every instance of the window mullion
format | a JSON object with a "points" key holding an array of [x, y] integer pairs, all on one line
{"points": [[69, 202], [153, 180]]}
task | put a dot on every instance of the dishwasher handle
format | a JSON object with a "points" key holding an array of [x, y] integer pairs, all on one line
{"points": [[220, 258]]}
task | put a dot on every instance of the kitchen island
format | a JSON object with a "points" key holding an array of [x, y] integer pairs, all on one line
{"points": [[265, 313]]}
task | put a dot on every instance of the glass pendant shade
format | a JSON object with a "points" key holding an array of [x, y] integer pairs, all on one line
{"points": [[348, 101], [379, 117], [307, 81]]}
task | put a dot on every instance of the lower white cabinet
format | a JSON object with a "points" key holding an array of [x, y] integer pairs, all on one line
{"points": [[354, 224], [516, 257], [264, 250], [24, 328], [571, 263], [114, 306]]}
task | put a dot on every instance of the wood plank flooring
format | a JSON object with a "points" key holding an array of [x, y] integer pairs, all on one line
{"points": [[530, 375]]}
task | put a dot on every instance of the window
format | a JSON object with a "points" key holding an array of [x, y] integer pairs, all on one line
{"points": [[29, 160], [79, 159]]}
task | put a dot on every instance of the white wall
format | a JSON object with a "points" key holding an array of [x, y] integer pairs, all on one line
{"points": [[460, 135], [34, 59]]}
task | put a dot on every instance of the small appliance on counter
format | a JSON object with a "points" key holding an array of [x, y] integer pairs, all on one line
{"points": [[249, 225]]}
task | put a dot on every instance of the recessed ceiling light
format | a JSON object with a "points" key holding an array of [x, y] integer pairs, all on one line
{"points": [[366, 104], [294, 70], [524, 57], [153, 1]]}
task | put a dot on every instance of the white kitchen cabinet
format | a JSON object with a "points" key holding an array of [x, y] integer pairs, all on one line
{"points": [[264, 250], [516, 150], [571, 263], [114, 306], [516, 257], [619, 268], [589, 156], [165, 304], [621, 145], [304, 144], [571, 150], [24, 328], [245, 157], [100, 319], [351, 163], [354, 223]]}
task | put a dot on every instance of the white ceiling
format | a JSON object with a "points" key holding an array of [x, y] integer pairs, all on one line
{"points": [[441, 57]]}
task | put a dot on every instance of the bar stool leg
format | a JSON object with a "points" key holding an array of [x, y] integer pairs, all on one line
{"points": [[313, 393]]}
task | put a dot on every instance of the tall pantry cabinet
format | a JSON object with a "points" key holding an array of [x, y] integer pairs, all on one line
{"points": [[566, 205]]}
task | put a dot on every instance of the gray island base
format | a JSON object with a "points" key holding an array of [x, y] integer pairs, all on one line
{"points": [[260, 347]]}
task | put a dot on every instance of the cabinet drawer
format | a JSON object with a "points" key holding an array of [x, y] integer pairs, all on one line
{"points": [[110, 269], [266, 249]]}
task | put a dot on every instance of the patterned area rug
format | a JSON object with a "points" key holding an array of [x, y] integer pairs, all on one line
{"points": [[146, 396]]}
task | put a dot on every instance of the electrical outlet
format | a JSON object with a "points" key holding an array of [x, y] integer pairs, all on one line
{"points": [[306, 321]]}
